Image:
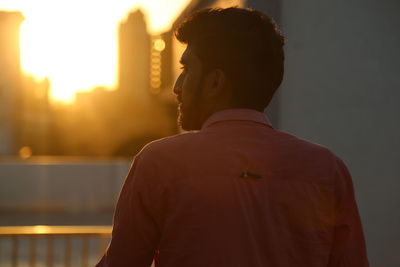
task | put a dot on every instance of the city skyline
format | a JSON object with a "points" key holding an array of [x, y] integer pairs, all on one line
{"points": [[80, 54], [100, 122]]}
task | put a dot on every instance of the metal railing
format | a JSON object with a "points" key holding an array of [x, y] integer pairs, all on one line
{"points": [[62, 236]]}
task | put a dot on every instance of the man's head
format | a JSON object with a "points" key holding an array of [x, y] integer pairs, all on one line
{"points": [[234, 59]]}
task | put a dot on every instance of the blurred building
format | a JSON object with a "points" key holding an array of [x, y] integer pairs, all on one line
{"points": [[10, 80], [134, 57], [24, 101]]}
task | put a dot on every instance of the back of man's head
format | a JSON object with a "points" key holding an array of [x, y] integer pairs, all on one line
{"points": [[244, 43]]}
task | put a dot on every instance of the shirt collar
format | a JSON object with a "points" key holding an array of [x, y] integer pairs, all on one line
{"points": [[237, 115]]}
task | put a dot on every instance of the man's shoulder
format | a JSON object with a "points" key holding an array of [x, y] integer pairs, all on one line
{"points": [[304, 143], [309, 151], [169, 145], [166, 155]]}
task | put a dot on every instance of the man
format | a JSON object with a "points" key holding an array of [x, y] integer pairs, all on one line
{"points": [[236, 193]]}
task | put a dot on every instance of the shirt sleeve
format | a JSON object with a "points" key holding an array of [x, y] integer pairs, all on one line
{"points": [[135, 234], [349, 248]]}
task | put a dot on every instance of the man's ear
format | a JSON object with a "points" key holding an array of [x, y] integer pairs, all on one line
{"points": [[216, 82]]}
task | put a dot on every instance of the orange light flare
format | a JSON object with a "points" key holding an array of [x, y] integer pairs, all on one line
{"points": [[74, 43]]}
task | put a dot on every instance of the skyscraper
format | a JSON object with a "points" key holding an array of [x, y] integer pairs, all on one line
{"points": [[134, 58]]}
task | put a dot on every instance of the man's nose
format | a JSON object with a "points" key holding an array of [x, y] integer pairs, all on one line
{"points": [[178, 85]]}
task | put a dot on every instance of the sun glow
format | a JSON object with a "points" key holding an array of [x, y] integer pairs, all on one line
{"points": [[74, 43]]}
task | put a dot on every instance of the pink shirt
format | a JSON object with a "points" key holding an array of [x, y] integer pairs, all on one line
{"points": [[238, 193]]}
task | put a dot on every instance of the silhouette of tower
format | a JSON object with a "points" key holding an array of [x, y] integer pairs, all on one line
{"points": [[10, 79], [134, 57]]}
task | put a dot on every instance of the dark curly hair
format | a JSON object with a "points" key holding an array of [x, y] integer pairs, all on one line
{"points": [[245, 43]]}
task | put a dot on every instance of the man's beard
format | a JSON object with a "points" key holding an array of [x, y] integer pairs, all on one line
{"points": [[191, 116]]}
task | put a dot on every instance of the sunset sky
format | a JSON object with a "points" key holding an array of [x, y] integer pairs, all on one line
{"points": [[74, 43]]}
